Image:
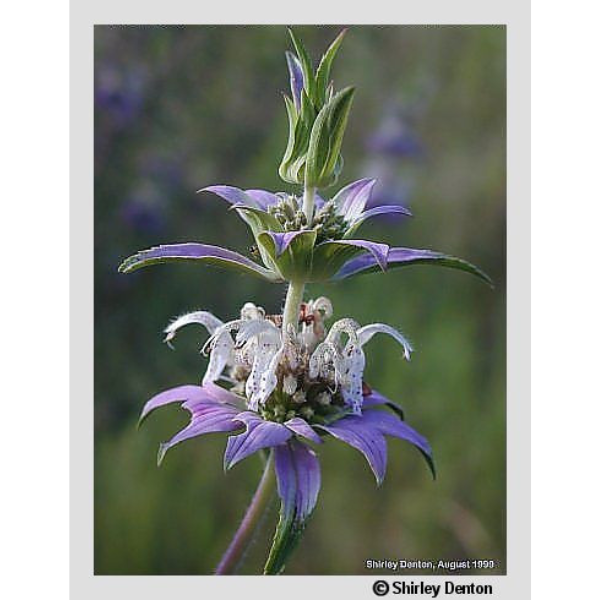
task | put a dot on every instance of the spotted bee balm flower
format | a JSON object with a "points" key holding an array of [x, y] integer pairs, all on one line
{"points": [[283, 384]]}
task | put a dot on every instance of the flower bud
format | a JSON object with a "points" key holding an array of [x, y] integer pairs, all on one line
{"points": [[317, 119], [323, 398], [290, 384], [299, 397]]}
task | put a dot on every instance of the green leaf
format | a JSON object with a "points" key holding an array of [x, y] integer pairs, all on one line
{"points": [[337, 127], [326, 139], [259, 220], [298, 483], [329, 258], [428, 258], [287, 535], [196, 253], [305, 63], [292, 167], [322, 78], [292, 120], [295, 263]]}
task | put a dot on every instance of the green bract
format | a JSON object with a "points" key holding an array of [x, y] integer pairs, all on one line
{"points": [[317, 119]]}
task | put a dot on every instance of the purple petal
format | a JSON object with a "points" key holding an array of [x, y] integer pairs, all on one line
{"points": [[232, 194], [392, 425], [182, 393], [366, 438], [298, 479], [302, 428], [283, 240], [207, 417], [374, 398], [259, 434], [263, 198], [352, 199], [382, 210], [399, 257], [377, 252], [219, 394], [366, 434], [192, 251], [296, 78]]}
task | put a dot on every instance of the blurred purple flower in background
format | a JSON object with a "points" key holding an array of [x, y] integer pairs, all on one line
{"points": [[395, 137], [392, 151], [146, 207], [119, 92], [141, 215]]}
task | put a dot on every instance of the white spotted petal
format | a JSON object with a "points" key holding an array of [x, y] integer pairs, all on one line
{"points": [[200, 317], [221, 355], [268, 344], [368, 331]]}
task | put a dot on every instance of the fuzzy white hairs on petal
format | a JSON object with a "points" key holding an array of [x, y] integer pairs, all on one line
{"points": [[368, 331], [268, 346], [200, 317], [228, 328], [254, 328], [268, 379], [252, 312], [347, 361], [324, 306], [347, 326], [221, 355]]}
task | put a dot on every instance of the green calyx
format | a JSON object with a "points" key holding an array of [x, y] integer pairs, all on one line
{"points": [[305, 259], [317, 118], [327, 223], [314, 402]]}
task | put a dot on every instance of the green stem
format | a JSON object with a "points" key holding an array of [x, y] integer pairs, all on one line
{"points": [[308, 204], [291, 310], [243, 536]]}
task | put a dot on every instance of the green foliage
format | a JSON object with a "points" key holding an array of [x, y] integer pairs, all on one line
{"points": [[312, 155], [326, 140], [295, 262]]}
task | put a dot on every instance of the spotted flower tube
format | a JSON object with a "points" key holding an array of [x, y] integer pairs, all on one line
{"points": [[284, 385]]}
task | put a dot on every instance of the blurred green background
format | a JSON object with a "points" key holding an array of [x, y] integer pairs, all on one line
{"points": [[179, 108]]}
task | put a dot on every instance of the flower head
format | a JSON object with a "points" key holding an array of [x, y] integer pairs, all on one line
{"points": [[291, 250], [288, 390]]}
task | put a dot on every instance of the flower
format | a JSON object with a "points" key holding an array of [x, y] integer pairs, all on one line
{"points": [[290, 249], [119, 93], [395, 137], [288, 390]]}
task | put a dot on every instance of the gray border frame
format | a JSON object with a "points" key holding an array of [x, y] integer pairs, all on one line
{"points": [[512, 13]]}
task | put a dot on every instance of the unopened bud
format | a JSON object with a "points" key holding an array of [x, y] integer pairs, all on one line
{"points": [[290, 384], [324, 398], [307, 412], [299, 397]]}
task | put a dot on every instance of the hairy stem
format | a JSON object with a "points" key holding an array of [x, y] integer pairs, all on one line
{"points": [[243, 536], [308, 204], [291, 310]]}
